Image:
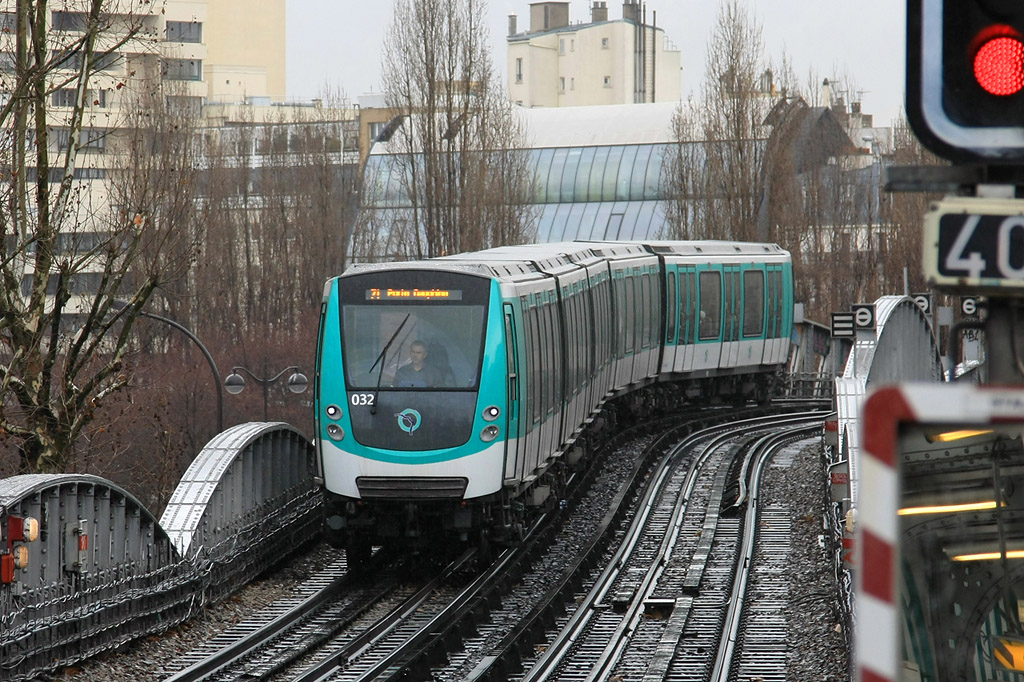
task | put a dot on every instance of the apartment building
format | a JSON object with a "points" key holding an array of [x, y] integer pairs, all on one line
{"points": [[223, 60], [557, 63]]}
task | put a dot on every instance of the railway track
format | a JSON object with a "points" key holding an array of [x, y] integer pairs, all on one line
{"points": [[676, 562], [615, 588]]}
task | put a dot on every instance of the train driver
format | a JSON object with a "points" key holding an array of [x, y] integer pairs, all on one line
{"points": [[416, 373]]}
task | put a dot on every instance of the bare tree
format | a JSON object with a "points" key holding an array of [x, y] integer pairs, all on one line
{"points": [[460, 149], [716, 167], [279, 200], [904, 211], [80, 258]]}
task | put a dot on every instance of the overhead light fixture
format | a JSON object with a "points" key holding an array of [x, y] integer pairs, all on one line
{"points": [[989, 556], [949, 436], [948, 508]]}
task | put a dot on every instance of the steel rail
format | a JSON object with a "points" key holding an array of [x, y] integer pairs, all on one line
{"points": [[766, 449], [238, 650], [549, 662], [338, 660]]}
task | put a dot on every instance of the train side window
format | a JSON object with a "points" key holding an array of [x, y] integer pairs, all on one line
{"points": [[770, 328], [736, 306], [629, 299], [727, 312], [654, 308], [571, 328], [685, 294], [710, 324], [645, 305], [779, 303], [536, 370], [607, 322], [691, 306], [670, 308], [557, 344], [603, 327], [583, 339], [543, 388], [753, 303]]}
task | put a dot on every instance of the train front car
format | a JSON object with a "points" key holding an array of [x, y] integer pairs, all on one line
{"points": [[411, 404]]}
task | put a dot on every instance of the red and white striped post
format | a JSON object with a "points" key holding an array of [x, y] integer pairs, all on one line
{"points": [[879, 621]]}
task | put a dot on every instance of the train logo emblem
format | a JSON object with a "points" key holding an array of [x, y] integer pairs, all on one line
{"points": [[409, 420]]}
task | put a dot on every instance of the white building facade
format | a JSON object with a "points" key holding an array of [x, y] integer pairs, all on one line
{"points": [[622, 61]]}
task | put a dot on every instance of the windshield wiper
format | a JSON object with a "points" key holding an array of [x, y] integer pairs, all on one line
{"points": [[380, 359]]}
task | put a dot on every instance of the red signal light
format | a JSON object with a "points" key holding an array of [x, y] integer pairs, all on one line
{"points": [[999, 65]]}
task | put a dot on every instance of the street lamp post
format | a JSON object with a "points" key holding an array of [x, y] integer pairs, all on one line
{"points": [[235, 382], [206, 353]]}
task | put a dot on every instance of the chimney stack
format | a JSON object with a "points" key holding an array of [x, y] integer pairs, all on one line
{"points": [[512, 24], [547, 16], [631, 11], [599, 11]]}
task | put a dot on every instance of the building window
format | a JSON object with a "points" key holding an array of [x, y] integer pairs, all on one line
{"points": [[7, 63], [561, 84], [88, 138], [183, 69], [572, 45], [66, 98], [67, 59], [519, 69], [607, 81], [604, 43], [70, 21], [8, 22], [106, 62], [184, 32], [572, 83], [561, 46]]}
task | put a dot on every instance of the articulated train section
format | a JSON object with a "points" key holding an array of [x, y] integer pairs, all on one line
{"points": [[669, 563]]}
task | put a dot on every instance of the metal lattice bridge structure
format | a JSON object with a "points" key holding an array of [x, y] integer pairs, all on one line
{"points": [[88, 568]]}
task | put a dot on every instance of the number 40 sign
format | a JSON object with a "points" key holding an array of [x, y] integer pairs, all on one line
{"points": [[972, 244]]}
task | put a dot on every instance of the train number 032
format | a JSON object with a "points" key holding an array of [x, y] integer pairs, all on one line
{"points": [[996, 253], [360, 399]]}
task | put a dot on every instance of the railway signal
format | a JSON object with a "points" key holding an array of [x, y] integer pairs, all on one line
{"points": [[17, 530], [965, 78], [863, 315], [842, 325]]}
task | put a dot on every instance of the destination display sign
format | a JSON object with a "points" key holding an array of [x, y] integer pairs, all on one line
{"points": [[413, 294], [975, 243]]}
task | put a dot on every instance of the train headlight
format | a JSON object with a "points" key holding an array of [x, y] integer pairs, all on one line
{"points": [[335, 432], [489, 433], [333, 412], [491, 413]]}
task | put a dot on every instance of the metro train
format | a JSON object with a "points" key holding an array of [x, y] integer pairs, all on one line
{"points": [[451, 393]]}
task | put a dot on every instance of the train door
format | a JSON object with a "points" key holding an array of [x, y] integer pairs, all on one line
{"points": [[531, 408], [752, 344], [668, 358], [622, 318], [601, 306], [514, 463], [708, 352]]}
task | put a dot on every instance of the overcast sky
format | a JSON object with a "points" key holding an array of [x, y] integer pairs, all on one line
{"points": [[338, 42]]}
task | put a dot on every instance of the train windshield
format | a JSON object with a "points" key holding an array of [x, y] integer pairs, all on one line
{"points": [[426, 334]]}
